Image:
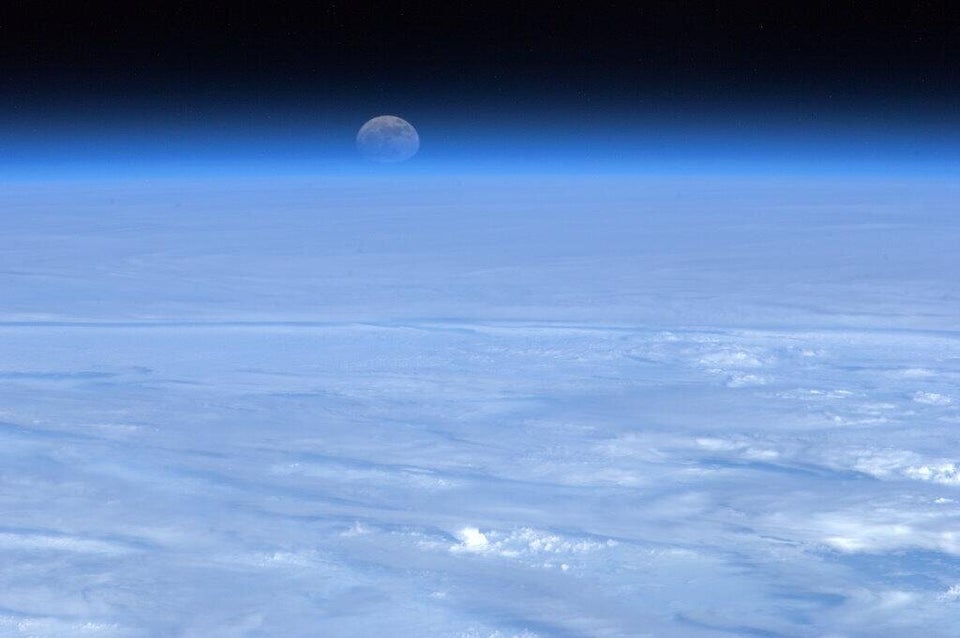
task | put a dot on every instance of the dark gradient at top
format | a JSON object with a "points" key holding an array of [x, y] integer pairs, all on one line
{"points": [[495, 83]]}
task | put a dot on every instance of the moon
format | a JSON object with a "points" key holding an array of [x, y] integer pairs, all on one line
{"points": [[388, 138]]}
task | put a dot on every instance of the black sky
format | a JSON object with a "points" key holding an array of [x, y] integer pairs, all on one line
{"points": [[603, 55]]}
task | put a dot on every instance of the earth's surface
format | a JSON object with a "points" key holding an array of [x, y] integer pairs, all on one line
{"points": [[480, 407]]}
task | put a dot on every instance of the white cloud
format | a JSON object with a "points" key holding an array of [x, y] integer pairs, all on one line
{"points": [[731, 359], [63, 543], [525, 542], [471, 540], [746, 380], [916, 373], [744, 449], [950, 595], [876, 532], [944, 473], [932, 398], [900, 464]]}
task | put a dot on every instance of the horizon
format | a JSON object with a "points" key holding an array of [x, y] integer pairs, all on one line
{"points": [[246, 143]]}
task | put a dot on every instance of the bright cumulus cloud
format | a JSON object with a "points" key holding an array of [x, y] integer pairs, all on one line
{"points": [[472, 540]]}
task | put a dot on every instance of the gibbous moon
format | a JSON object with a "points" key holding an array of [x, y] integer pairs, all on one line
{"points": [[388, 138]]}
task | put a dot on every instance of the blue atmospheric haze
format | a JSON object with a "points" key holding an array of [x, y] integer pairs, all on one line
{"points": [[650, 380]]}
